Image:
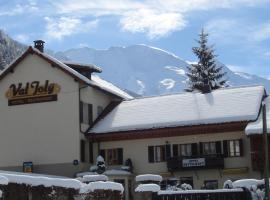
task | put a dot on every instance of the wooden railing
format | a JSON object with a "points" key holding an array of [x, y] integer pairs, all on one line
{"points": [[195, 162]]}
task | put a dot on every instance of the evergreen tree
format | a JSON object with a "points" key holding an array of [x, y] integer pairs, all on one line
{"points": [[205, 75]]}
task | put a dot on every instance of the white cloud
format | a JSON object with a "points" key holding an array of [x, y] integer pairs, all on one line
{"points": [[65, 26], [22, 38], [240, 31], [27, 7], [153, 23], [156, 18]]}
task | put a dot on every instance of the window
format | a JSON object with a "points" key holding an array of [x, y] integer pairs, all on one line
{"points": [[233, 148], [209, 148], [157, 153], [86, 113], [211, 184], [113, 156], [185, 150], [82, 151]]}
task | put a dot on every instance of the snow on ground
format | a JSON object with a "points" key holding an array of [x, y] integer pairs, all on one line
{"points": [[198, 191], [147, 188], [100, 185], [247, 183], [93, 178], [148, 177], [41, 180], [3, 180]]}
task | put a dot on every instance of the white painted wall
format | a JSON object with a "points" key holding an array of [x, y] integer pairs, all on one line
{"points": [[137, 150], [45, 133]]}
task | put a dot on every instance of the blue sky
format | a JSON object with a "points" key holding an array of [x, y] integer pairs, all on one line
{"points": [[239, 29]]}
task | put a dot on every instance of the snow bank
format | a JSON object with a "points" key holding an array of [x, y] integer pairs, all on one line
{"points": [[247, 183], [198, 191], [100, 185], [93, 178], [45, 181], [147, 188], [116, 172], [3, 180], [148, 177]]}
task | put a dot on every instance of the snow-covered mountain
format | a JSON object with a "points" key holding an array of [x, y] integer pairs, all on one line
{"points": [[147, 70]]}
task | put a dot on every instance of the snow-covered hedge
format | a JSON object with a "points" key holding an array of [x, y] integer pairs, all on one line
{"points": [[3, 180], [45, 181], [93, 178], [147, 188], [100, 185], [148, 177]]}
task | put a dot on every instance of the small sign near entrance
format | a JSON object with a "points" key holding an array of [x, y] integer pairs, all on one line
{"points": [[32, 92], [28, 167], [196, 162]]}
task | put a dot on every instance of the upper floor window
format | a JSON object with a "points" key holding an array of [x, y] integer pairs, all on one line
{"points": [[185, 149], [112, 156], [233, 148], [209, 148], [157, 153], [86, 113]]}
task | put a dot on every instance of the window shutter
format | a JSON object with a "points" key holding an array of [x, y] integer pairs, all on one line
{"points": [[81, 111], [102, 153], [120, 156], [218, 147], [90, 114], [151, 154], [175, 150], [91, 160], [225, 148], [82, 151], [201, 148], [194, 149], [168, 151], [241, 147]]}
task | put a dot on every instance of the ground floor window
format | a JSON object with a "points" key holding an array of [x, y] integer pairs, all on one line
{"points": [[112, 156], [211, 184]]}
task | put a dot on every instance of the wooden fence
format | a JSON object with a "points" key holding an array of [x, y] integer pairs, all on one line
{"points": [[238, 194]]}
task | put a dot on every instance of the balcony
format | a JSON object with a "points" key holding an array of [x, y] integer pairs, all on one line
{"points": [[195, 162]]}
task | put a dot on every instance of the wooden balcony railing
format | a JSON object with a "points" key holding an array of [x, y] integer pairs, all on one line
{"points": [[195, 162]]}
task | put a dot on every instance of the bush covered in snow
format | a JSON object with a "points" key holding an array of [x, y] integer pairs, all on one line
{"points": [[185, 186], [93, 178], [147, 188], [148, 178]]}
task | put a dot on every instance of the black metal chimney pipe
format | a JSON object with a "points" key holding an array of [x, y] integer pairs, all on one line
{"points": [[39, 44]]}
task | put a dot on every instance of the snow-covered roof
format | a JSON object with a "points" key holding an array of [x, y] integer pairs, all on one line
{"points": [[109, 87], [184, 109], [257, 127], [92, 67], [95, 82]]}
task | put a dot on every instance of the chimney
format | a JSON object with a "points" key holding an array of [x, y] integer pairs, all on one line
{"points": [[39, 44]]}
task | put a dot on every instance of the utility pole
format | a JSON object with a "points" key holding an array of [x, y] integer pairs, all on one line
{"points": [[266, 158]]}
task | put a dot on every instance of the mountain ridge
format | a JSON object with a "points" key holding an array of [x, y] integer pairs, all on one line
{"points": [[141, 69]]}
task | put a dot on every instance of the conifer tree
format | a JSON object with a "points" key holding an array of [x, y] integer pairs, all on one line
{"points": [[205, 75]]}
